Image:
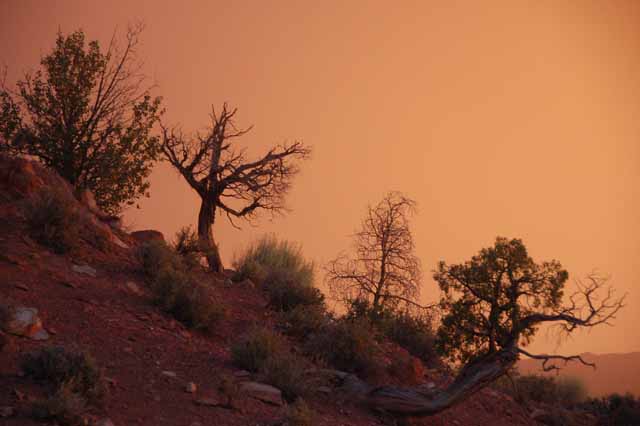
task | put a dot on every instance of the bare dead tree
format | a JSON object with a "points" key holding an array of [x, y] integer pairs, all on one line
{"points": [[226, 181], [384, 271], [494, 303]]}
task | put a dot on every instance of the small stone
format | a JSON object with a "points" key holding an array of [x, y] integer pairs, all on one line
{"points": [[84, 269], [21, 287], [169, 374], [104, 422], [242, 373], [133, 288], [191, 387], [6, 411], [25, 322], [324, 389], [262, 392], [209, 402], [196, 424]]}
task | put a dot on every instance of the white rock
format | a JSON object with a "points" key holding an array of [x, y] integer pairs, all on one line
{"points": [[262, 392], [84, 269]]}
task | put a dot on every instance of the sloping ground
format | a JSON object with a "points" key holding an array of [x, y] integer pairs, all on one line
{"points": [[614, 373], [148, 357]]}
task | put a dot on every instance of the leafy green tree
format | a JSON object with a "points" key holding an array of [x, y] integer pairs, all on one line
{"points": [[493, 305], [87, 114]]}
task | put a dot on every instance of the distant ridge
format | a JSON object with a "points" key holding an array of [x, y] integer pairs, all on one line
{"points": [[615, 372]]}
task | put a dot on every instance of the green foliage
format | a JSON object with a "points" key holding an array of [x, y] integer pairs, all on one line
{"points": [[348, 345], [85, 114], [413, 333], [64, 407], [74, 378], [156, 256], [299, 414], [186, 241], [176, 289], [286, 293], [177, 293], [280, 267], [285, 371], [52, 220], [543, 389], [268, 256], [305, 320], [254, 350], [486, 299], [615, 409], [265, 352]]}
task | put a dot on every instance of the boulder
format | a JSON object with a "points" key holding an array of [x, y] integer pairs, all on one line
{"points": [[147, 235], [262, 392], [25, 322]]}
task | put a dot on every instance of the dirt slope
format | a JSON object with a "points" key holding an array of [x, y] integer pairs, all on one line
{"points": [[141, 348]]}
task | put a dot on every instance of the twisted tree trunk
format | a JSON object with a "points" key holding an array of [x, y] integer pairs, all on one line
{"points": [[421, 403], [206, 217]]}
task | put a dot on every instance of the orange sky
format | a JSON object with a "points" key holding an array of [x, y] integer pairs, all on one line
{"points": [[511, 118]]}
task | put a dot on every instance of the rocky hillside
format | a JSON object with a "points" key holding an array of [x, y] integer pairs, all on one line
{"points": [[89, 295]]}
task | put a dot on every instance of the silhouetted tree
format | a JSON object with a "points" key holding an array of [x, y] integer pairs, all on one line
{"points": [[384, 271], [225, 180], [86, 114], [493, 305]]}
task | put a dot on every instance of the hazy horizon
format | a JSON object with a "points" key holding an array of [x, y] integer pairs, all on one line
{"points": [[518, 119]]}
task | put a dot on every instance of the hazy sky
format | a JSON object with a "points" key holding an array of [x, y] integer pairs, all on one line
{"points": [[510, 118]]}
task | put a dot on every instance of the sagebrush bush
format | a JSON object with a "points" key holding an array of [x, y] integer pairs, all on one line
{"points": [[73, 378], [285, 371], [543, 389], [269, 255], [155, 257], [176, 293], [64, 407], [254, 349], [265, 352], [413, 333], [73, 370], [52, 220], [303, 321], [175, 288], [348, 345], [286, 293], [571, 390], [299, 414], [186, 241]]}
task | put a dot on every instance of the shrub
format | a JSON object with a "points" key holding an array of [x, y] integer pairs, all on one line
{"points": [[74, 379], [186, 241], [64, 407], [303, 321], [52, 220], [570, 390], [285, 293], [175, 288], [177, 293], [157, 256], [269, 255], [299, 414], [73, 370], [413, 333], [615, 409], [347, 345], [285, 371], [254, 350]]}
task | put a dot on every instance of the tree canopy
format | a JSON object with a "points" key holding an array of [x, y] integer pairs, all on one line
{"points": [[225, 179], [384, 271], [88, 115]]}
